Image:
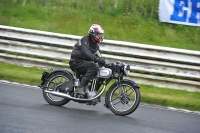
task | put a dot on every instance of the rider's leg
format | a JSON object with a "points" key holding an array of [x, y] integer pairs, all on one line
{"points": [[90, 69]]}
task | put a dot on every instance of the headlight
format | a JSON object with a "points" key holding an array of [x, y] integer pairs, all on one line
{"points": [[126, 69]]}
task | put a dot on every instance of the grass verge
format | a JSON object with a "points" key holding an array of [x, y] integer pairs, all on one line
{"points": [[149, 94], [133, 22]]}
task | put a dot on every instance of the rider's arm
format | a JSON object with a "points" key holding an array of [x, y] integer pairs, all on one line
{"points": [[86, 51], [98, 52]]}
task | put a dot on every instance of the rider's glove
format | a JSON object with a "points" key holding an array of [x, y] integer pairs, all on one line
{"points": [[101, 61]]}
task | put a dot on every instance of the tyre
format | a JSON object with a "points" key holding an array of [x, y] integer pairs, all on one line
{"points": [[123, 100], [55, 79]]}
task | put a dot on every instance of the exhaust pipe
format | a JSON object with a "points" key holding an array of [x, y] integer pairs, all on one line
{"points": [[59, 94]]}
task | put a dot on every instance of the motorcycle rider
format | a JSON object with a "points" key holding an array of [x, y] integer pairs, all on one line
{"points": [[84, 55]]}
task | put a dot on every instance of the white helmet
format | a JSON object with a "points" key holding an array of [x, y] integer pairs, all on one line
{"points": [[96, 32]]}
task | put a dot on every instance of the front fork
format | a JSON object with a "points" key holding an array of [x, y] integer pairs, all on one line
{"points": [[119, 86]]}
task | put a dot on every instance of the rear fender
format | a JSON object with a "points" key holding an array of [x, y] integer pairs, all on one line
{"points": [[46, 75]]}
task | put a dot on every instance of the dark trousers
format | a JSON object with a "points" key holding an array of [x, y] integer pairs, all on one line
{"points": [[89, 68]]}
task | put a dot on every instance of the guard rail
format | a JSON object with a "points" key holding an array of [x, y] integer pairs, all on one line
{"points": [[152, 65]]}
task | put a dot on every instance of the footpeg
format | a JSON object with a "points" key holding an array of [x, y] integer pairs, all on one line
{"points": [[93, 102], [80, 96]]}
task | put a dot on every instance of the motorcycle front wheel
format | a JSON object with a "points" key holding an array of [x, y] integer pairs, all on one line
{"points": [[123, 100], [54, 80]]}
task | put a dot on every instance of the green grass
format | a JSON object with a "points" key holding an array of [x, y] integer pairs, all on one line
{"points": [[136, 23], [20, 74], [149, 94], [170, 97]]}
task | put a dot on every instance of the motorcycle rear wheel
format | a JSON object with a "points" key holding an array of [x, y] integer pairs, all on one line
{"points": [[123, 100], [53, 80]]}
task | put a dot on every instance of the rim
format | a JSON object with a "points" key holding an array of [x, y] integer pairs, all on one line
{"points": [[123, 98], [59, 79]]}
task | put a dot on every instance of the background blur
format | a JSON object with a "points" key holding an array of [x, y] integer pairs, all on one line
{"points": [[124, 20]]}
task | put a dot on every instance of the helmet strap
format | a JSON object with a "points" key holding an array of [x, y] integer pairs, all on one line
{"points": [[93, 39]]}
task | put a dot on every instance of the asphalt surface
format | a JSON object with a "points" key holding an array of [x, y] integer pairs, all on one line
{"points": [[23, 110]]}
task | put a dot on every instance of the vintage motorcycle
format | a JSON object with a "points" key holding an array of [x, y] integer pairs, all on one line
{"points": [[122, 97]]}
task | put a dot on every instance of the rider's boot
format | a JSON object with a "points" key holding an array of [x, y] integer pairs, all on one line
{"points": [[82, 90]]}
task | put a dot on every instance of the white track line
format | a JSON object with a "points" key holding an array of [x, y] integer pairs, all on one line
{"points": [[141, 104], [18, 84]]}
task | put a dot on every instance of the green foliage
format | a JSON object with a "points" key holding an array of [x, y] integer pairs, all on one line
{"points": [[133, 21], [170, 97], [30, 76]]}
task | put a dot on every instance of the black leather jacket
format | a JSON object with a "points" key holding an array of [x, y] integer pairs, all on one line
{"points": [[85, 49]]}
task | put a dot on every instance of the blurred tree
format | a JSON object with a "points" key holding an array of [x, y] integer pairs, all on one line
{"points": [[24, 2], [74, 3], [46, 2], [116, 4], [100, 4], [127, 5]]}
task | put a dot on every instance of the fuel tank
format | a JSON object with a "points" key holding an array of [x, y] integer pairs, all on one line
{"points": [[104, 73]]}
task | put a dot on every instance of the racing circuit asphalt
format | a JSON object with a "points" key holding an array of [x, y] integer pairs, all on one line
{"points": [[23, 110]]}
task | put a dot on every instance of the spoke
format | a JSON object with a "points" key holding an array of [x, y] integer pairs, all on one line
{"points": [[57, 79], [114, 99], [121, 106], [61, 79], [119, 96], [119, 90], [128, 89], [124, 88], [116, 103], [53, 83], [125, 100], [130, 93], [119, 93]]}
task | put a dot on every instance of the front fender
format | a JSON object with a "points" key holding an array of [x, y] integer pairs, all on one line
{"points": [[135, 84], [46, 75]]}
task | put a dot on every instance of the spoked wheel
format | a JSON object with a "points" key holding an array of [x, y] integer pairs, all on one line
{"points": [[123, 100], [53, 81]]}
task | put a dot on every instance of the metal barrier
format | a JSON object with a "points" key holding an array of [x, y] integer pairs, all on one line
{"points": [[152, 65]]}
